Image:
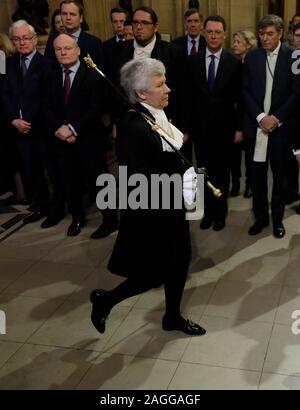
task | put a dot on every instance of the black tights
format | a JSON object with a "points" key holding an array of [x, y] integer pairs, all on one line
{"points": [[173, 283]]}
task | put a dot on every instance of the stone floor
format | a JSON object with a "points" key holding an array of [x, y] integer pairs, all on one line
{"points": [[242, 289]]}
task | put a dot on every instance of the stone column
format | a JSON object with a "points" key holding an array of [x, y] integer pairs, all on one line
{"points": [[7, 7]]}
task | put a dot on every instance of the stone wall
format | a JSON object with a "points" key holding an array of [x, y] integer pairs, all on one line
{"points": [[238, 13]]}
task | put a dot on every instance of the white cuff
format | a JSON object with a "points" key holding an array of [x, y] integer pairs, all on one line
{"points": [[189, 186], [296, 151], [72, 129], [260, 117]]}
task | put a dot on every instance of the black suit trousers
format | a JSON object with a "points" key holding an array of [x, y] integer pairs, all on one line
{"points": [[277, 156], [37, 163]]}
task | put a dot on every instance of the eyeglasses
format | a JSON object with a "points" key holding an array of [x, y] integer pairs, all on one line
{"points": [[143, 23], [24, 38], [65, 48], [215, 32]]}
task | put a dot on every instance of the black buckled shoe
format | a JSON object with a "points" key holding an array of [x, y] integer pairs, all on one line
{"points": [[185, 326], [99, 311]]}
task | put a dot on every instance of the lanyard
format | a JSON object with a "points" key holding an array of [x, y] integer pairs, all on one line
{"points": [[269, 68]]}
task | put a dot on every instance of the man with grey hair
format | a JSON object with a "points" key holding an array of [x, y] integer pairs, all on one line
{"points": [[22, 101], [269, 97]]}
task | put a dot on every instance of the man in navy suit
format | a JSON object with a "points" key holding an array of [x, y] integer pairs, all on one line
{"points": [[22, 97], [269, 97], [72, 17], [73, 104], [193, 41], [118, 17], [210, 114]]}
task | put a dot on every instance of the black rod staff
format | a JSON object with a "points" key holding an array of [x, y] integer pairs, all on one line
{"points": [[155, 127]]}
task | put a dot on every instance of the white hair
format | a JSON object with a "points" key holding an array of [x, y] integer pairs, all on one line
{"points": [[21, 23], [136, 76]]}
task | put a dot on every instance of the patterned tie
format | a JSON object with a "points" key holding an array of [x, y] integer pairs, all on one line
{"points": [[270, 67], [23, 66], [211, 71], [193, 49], [67, 84]]}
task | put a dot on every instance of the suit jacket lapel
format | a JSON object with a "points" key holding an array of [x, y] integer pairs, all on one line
{"points": [[17, 68], [33, 64], [221, 70], [201, 56], [279, 68]]}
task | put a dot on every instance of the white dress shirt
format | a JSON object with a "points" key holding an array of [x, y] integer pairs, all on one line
{"points": [[143, 52]]}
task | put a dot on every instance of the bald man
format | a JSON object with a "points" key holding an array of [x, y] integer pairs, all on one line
{"points": [[74, 102]]}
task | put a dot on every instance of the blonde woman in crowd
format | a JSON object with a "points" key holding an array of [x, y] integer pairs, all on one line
{"points": [[243, 41]]}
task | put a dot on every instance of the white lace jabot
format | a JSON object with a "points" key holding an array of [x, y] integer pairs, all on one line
{"points": [[175, 136]]}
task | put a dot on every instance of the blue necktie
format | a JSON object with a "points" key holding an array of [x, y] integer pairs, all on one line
{"points": [[211, 71], [23, 66]]}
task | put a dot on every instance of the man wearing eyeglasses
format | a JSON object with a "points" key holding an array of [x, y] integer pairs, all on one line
{"points": [[22, 101], [211, 97], [269, 99], [146, 43]]}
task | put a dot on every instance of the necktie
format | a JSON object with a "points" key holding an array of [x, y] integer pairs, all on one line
{"points": [[193, 49], [23, 66], [270, 67], [67, 84], [211, 71]]}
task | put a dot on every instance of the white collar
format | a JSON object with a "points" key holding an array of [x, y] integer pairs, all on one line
{"points": [[168, 131], [217, 54], [75, 35], [196, 38], [276, 51], [147, 49]]}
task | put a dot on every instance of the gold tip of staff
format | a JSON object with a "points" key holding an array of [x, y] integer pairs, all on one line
{"points": [[217, 193], [89, 62]]}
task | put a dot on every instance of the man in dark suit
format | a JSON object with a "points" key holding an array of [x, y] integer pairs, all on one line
{"points": [[22, 96], [146, 44], [193, 41], [210, 114], [74, 100], [118, 17], [72, 17], [269, 98]]}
